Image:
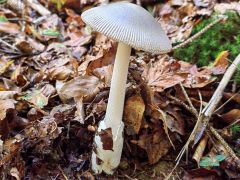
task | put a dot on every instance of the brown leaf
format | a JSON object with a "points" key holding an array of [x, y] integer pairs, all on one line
{"points": [[59, 73], [34, 114], [18, 76], [104, 73], [156, 144], [74, 18], [11, 148], [8, 27], [163, 74], [48, 90], [8, 118], [99, 108], [4, 106], [82, 86], [7, 94], [63, 112], [80, 114], [4, 65], [221, 63], [37, 98], [133, 114], [174, 120], [200, 149], [24, 46], [231, 116], [103, 58], [201, 174]]}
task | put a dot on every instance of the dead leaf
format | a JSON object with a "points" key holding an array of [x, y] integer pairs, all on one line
{"points": [[105, 74], [15, 173], [59, 73], [231, 116], [80, 114], [74, 18], [201, 174], [223, 7], [133, 114], [82, 86], [221, 63], [174, 120], [200, 149], [155, 143], [36, 98], [8, 27], [4, 106], [11, 148], [24, 46], [7, 94], [4, 65], [162, 75]]}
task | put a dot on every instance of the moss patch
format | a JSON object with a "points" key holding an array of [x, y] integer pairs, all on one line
{"points": [[222, 36]]}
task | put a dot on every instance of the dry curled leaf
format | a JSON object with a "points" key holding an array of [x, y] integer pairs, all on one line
{"points": [[231, 116], [221, 63], [156, 144], [8, 27], [59, 73], [133, 114], [82, 86]]}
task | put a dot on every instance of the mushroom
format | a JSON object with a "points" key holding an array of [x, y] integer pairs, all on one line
{"points": [[131, 26]]}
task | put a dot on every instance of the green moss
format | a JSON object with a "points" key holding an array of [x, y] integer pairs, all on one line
{"points": [[222, 36]]}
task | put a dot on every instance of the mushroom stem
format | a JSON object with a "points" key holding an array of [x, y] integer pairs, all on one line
{"points": [[109, 138], [118, 85]]}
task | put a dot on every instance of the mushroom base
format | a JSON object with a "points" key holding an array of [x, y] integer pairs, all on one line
{"points": [[107, 148], [109, 137]]}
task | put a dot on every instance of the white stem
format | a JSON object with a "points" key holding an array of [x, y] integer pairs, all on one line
{"points": [[118, 85], [108, 159]]}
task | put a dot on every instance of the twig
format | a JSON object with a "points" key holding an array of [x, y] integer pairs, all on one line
{"points": [[207, 112], [9, 45], [225, 145], [181, 103], [188, 99], [226, 101], [217, 96], [199, 33]]}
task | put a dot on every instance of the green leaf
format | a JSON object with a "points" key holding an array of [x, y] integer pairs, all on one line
{"points": [[51, 32], [205, 162], [59, 3], [36, 98], [3, 19], [235, 129], [3, 1], [214, 164], [220, 157], [211, 162]]}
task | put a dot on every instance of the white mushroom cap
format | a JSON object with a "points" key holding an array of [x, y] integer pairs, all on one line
{"points": [[128, 23]]}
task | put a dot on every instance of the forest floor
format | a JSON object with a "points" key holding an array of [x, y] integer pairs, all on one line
{"points": [[55, 76]]}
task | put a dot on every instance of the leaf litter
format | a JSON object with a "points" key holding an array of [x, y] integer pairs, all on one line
{"points": [[55, 76]]}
